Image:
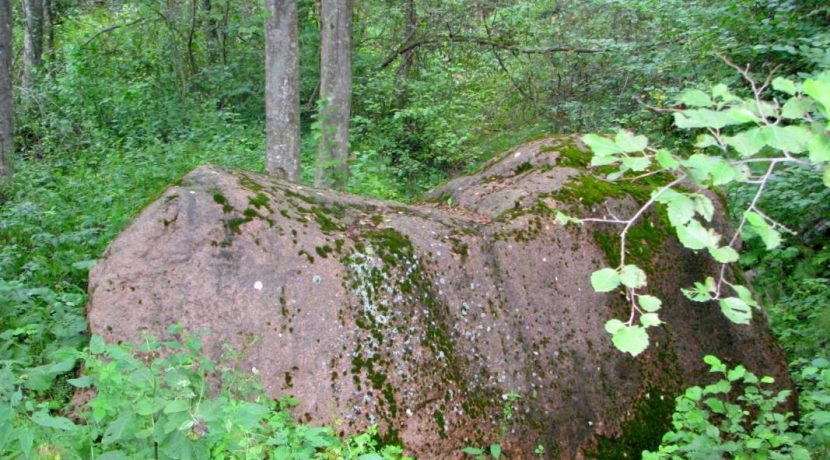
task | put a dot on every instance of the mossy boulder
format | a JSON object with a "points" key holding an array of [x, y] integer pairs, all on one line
{"points": [[421, 318]]}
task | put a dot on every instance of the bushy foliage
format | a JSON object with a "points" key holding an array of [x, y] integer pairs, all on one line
{"points": [[158, 399], [735, 416]]}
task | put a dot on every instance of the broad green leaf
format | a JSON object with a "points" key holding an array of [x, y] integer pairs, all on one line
{"points": [[724, 254], [767, 379], [819, 148], [148, 406], [616, 175], [43, 418], [636, 163], [603, 160], [613, 325], [784, 85], [629, 143], [177, 405], [736, 310], [704, 206], [97, 345], [702, 118], [693, 393], [601, 146], [722, 173], [666, 159], [716, 405], [650, 319], [680, 210], [820, 91], [80, 382], [714, 363], [495, 450], [632, 276], [117, 430], [649, 303], [472, 451], [722, 92], [705, 140], [696, 98], [605, 280], [631, 339], [747, 143], [738, 372], [793, 139], [693, 235], [744, 295], [746, 114], [796, 108], [759, 225], [719, 387]]}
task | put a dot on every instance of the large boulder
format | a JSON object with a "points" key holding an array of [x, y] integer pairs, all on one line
{"points": [[422, 318]]}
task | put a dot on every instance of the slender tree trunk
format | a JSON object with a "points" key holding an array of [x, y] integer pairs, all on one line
{"points": [[48, 31], [6, 96], [409, 32], [211, 32], [282, 90], [335, 93], [32, 42]]}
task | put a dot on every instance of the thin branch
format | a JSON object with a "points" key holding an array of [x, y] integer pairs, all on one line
{"points": [[110, 29]]}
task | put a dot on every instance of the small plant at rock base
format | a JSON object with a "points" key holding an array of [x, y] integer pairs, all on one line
{"points": [[735, 417]]}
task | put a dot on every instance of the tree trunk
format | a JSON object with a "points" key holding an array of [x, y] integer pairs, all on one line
{"points": [[282, 90], [32, 42], [48, 30], [335, 93], [6, 96], [211, 32]]}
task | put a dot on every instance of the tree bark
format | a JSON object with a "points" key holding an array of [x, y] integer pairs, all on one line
{"points": [[211, 32], [6, 96], [32, 42], [282, 90], [335, 93]]}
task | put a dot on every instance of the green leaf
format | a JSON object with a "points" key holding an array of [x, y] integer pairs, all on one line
{"points": [[819, 148], [629, 143], [716, 405], [796, 108], [704, 206], [820, 91], [650, 319], [724, 254], [97, 345], [636, 163], [666, 159], [702, 118], [605, 280], [632, 276], [631, 339], [472, 451], [601, 146], [714, 363], [613, 325], [722, 91], [80, 382], [693, 235], [784, 85], [43, 419], [680, 210], [696, 98], [722, 173], [770, 236], [745, 295], [793, 139], [767, 379], [825, 177], [649, 303], [177, 405], [736, 373], [736, 310], [495, 450], [705, 140], [747, 143]]}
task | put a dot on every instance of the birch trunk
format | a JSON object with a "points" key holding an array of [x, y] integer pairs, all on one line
{"points": [[282, 90], [335, 93]]}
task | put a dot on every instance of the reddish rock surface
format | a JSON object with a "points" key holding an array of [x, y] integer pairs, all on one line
{"points": [[420, 318]]}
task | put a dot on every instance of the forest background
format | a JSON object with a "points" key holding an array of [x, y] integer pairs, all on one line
{"points": [[130, 95]]}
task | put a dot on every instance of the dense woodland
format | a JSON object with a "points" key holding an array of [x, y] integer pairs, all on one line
{"points": [[103, 104]]}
